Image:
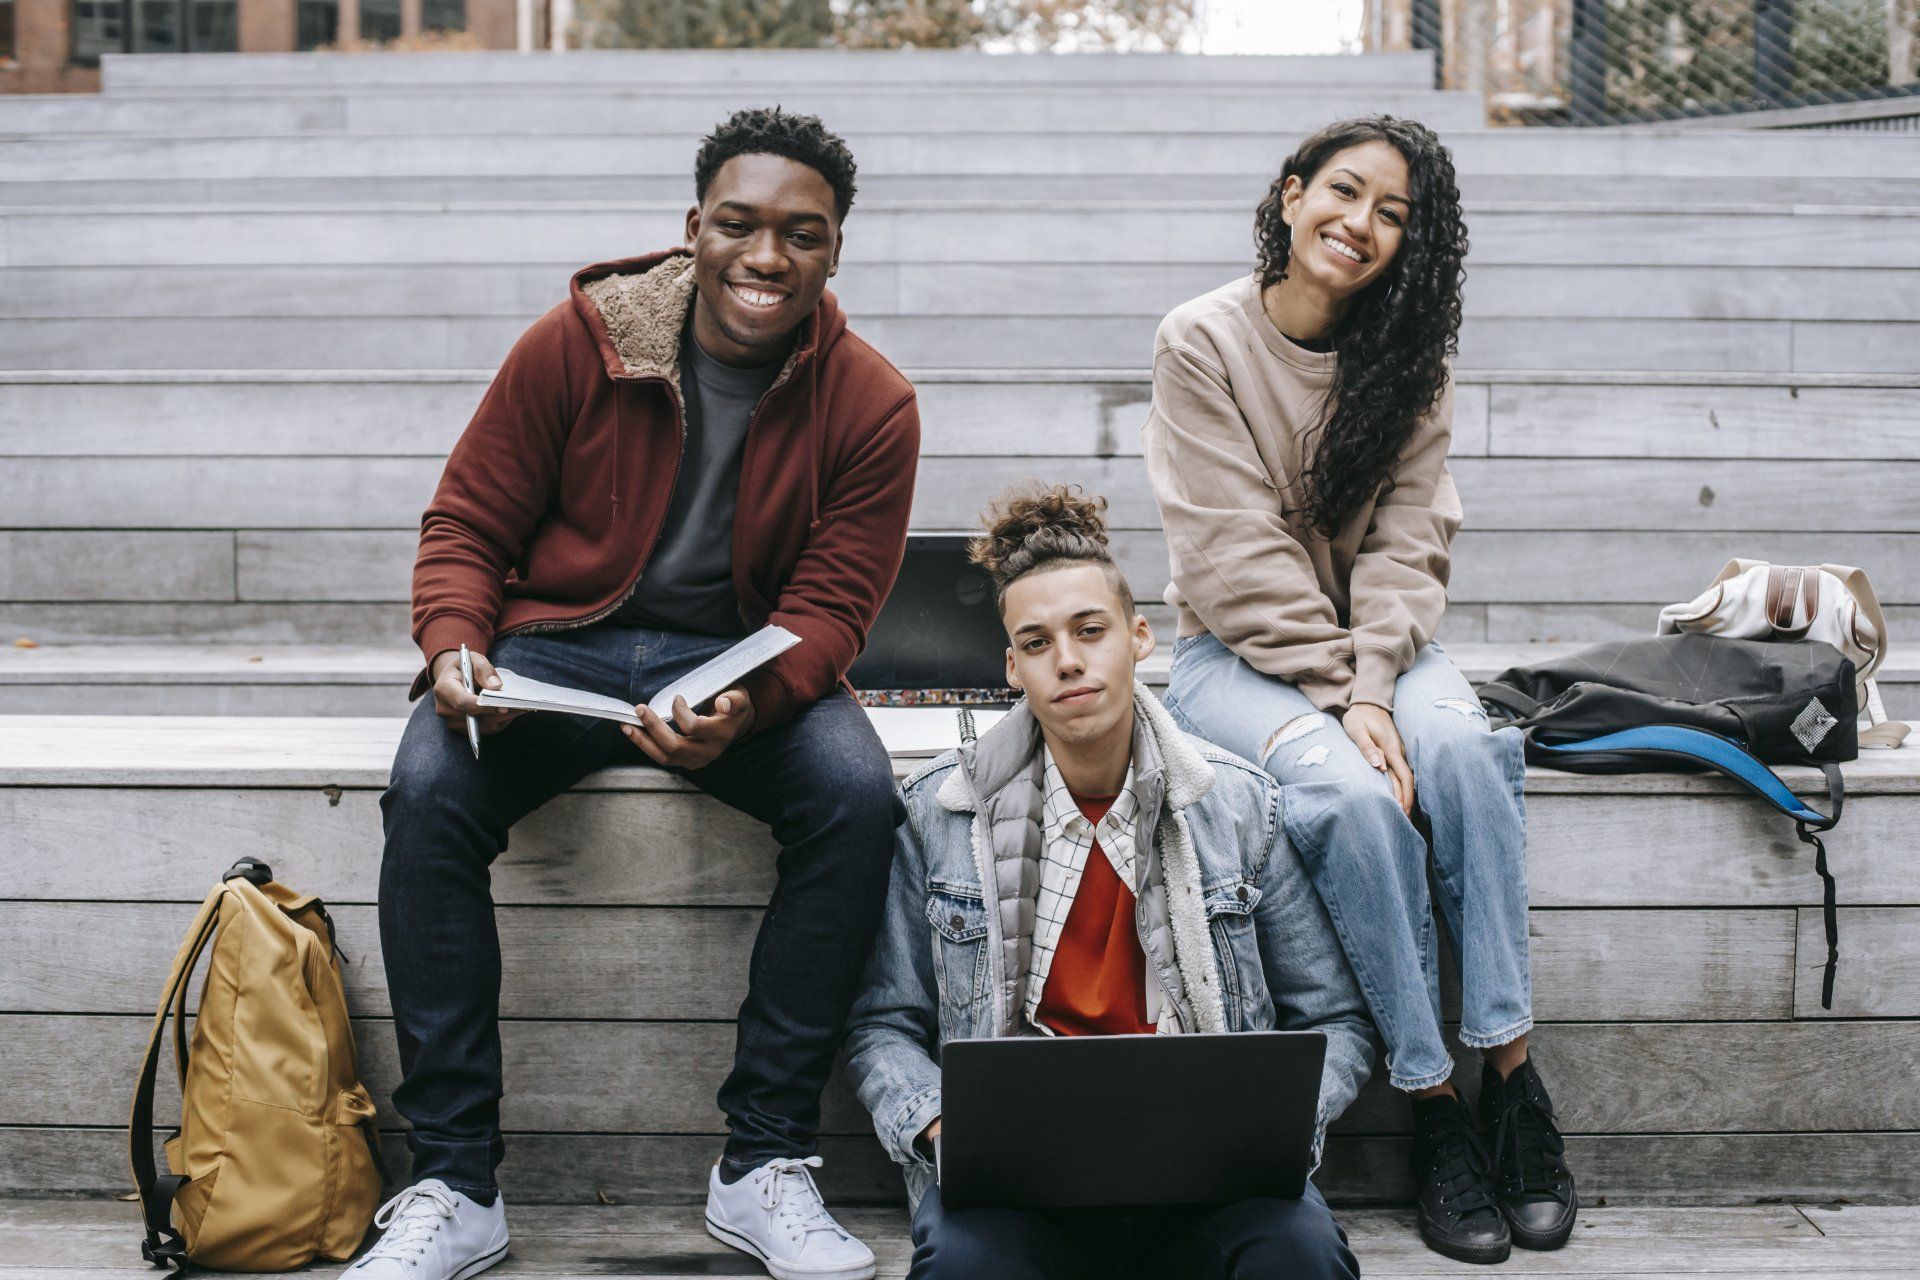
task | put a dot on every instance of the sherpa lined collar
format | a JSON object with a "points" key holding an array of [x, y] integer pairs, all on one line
{"points": [[636, 309]]}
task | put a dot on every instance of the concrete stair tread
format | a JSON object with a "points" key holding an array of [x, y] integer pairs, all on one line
{"points": [[112, 664], [983, 374], [987, 206], [1537, 153], [91, 1237], [124, 74], [1246, 187], [280, 751]]}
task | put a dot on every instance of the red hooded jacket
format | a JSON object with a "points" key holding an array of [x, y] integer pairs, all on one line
{"points": [[555, 495]]}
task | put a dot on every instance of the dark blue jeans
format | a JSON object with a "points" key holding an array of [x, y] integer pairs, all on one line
{"points": [[1257, 1239], [822, 782]]}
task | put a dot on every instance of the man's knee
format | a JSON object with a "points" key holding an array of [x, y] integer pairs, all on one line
{"points": [[973, 1245], [427, 813], [847, 783], [1359, 804], [1287, 1240]]}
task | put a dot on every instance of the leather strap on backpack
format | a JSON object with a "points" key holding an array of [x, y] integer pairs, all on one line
{"points": [[163, 1246]]}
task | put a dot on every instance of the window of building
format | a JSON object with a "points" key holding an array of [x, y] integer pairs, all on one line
{"points": [[316, 22], [153, 26], [7, 53], [98, 27], [443, 15], [157, 27], [215, 27], [379, 20]]}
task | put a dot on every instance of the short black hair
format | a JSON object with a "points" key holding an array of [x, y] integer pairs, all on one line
{"points": [[771, 131]]}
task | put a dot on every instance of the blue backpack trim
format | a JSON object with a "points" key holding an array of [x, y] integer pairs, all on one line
{"points": [[1711, 750]]}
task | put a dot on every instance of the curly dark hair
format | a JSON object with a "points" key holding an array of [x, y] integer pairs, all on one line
{"points": [[1029, 528], [1397, 334], [771, 131]]}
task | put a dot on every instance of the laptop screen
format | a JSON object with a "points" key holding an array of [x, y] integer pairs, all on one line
{"points": [[938, 639]]}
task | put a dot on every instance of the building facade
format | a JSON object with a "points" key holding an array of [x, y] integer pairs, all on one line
{"points": [[54, 46]]}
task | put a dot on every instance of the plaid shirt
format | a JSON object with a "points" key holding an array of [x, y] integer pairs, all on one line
{"points": [[1066, 838]]}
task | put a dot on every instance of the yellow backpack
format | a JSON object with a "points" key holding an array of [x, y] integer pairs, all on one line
{"points": [[276, 1159]]}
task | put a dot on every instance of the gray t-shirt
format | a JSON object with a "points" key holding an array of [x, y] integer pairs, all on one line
{"points": [[688, 583]]}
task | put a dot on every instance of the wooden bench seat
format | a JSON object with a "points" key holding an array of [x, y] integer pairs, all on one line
{"points": [[1676, 952]]}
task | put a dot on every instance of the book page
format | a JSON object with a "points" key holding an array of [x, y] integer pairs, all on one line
{"points": [[713, 678], [527, 694]]}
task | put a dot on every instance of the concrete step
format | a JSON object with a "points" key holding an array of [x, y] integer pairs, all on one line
{"points": [[1247, 189], [1007, 413], [279, 507], [686, 112], [248, 585], [329, 492], [258, 508], [1114, 343], [89, 1237], [942, 303], [372, 680], [1138, 292], [926, 233], [1691, 155], [748, 70], [1644, 963]]}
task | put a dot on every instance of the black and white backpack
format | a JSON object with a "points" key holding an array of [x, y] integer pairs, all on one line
{"points": [[1685, 702]]}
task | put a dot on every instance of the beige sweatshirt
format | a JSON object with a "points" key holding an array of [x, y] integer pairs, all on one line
{"points": [[1236, 407]]}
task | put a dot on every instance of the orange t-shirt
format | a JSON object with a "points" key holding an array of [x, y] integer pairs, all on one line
{"points": [[1098, 983]]}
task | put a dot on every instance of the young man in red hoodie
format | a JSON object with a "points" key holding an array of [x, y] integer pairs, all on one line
{"points": [[693, 445]]}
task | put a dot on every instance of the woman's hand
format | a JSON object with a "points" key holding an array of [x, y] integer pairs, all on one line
{"points": [[1371, 729]]}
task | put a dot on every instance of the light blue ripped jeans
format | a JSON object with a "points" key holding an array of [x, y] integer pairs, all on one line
{"points": [[1366, 858]]}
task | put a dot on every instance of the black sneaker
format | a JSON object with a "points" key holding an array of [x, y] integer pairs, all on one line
{"points": [[1531, 1177], [1459, 1215]]}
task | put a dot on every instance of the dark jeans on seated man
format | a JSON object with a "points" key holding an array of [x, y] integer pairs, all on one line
{"points": [[1256, 1239], [822, 782]]}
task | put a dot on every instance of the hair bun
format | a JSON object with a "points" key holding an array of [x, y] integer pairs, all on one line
{"points": [[1049, 520]]}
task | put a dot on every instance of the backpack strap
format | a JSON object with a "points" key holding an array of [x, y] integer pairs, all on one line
{"points": [[1729, 759], [1505, 702], [163, 1246]]}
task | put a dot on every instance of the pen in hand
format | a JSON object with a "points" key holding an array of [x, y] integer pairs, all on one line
{"points": [[466, 680]]}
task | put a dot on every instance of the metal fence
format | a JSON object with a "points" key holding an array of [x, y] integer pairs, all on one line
{"points": [[1626, 61]]}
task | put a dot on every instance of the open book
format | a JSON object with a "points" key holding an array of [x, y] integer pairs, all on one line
{"points": [[699, 686]]}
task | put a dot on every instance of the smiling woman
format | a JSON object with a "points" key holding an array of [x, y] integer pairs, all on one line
{"points": [[1297, 447]]}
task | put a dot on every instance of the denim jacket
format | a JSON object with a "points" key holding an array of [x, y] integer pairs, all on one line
{"points": [[1228, 918]]}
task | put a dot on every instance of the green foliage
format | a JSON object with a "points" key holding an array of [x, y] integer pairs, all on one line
{"points": [[1664, 55], [885, 24], [1678, 53], [707, 24], [1840, 44]]}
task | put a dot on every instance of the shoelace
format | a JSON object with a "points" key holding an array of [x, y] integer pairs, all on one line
{"points": [[1528, 1148], [1461, 1166], [787, 1190], [411, 1219]]}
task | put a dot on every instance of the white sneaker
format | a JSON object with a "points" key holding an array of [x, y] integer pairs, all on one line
{"points": [[775, 1214], [434, 1233]]}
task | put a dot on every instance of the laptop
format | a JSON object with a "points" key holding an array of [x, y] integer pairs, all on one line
{"points": [[938, 640], [1038, 1122]]}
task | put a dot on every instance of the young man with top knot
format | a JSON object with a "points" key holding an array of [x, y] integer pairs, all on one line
{"points": [[1135, 819]]}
